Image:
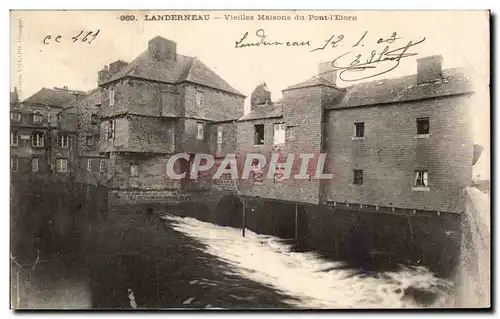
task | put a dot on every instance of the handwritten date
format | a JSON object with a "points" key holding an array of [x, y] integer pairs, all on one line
{"points": [[83, 37]]}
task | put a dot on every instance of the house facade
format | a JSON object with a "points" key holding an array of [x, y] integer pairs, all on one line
{"points": [[393, 145], [41, 143], [160, 104]]}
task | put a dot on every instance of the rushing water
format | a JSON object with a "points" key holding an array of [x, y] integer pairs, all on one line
{"points": [[312, 281]]}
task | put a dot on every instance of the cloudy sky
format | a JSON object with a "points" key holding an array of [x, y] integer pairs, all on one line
{"points": [[462, 38]]}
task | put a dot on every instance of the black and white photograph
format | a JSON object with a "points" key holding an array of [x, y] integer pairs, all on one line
{"points": [[243, 160]]}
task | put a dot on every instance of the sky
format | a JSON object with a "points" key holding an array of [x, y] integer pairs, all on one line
{"points": [[461, 37]]}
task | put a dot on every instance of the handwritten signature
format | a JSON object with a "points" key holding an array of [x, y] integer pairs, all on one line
{"points": [[376, 63]]}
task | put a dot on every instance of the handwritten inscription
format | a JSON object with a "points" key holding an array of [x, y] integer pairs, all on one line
{"points": [[384, 56], [262, 40], [83, 37]]}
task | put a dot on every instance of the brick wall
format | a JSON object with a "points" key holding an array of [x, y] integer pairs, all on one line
{"points": [[390, 154]]}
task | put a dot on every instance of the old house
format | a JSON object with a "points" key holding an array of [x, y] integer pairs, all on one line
{"points": [[37, 144], [159, 104], [413, 129]]}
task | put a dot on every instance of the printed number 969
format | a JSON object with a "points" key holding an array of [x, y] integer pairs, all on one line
{"points": [[127, 18]]}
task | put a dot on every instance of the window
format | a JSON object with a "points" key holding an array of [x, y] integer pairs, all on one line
{"points": [[110, 129], [59, 119], [62, 165], [359, 129], [93, 119], [423, 125], [34, 164], [14, 164], [37, 117], [102, 165], [358, 177], [14, 138], [200, 98], [15, 116], [90, 140], [219, 135], [111, 97], [89, 165], [62, 141], [38, 140], [199, 131], [421, 179], [134, 170], [279, 133], [259, 134]]}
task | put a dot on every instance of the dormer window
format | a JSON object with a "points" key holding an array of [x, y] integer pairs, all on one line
{"points": [[37, 117]]}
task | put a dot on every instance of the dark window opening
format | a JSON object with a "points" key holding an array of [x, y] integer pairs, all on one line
{"points": [[259, 134], [358, 177], [93, 119], [423, 125], [359, 129]]}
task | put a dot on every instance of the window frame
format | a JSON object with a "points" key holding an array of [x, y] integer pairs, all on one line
{"points": [[198, 136], [110, 130], [200, 98], [257, 140], [12, 135], [283, 130], [94, 120], [89, 138], [61, 160], [132, 174], [111, 96], [89, 165], [15, 160], [60, 140], [219, 135], [38, 139], [102, 165], [356, 178], [359, 125], [18, 118], [37, 114], [418, 121], [421, 179], [37, 161]]}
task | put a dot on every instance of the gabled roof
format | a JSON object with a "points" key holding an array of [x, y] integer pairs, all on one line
{"points": [[58, 98], [183, 69], [312, 81], [264, 111], [453, 82]]}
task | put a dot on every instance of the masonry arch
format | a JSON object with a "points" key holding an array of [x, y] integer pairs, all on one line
{"points": [[229, 211]]}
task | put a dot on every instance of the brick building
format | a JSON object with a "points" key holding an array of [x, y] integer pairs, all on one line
{"points": [[159, 104], [41, 142], [393, 144]]}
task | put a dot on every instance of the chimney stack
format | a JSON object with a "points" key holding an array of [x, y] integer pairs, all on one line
{"points": [[162, 49], [326, 72], [260, 96], [102, 75], [429, 69], [116, 67]]}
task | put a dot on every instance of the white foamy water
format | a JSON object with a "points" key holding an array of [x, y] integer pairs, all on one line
{"points": [[312, 281]]}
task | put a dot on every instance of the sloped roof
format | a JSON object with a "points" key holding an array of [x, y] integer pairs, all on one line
{"points": [[265, 111], [183, 69], [312, 81], [52, 97], [454, 81]]}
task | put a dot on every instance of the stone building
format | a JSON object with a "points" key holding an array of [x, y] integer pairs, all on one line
{"points": [[159, 104], [38, 144], [402, 143]]}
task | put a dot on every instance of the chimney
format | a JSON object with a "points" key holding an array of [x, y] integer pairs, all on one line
{"points": [[326, 72], [260, 96], [102, 75], [162, 49], [429, 69], [116, 67], [65, 87]]}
